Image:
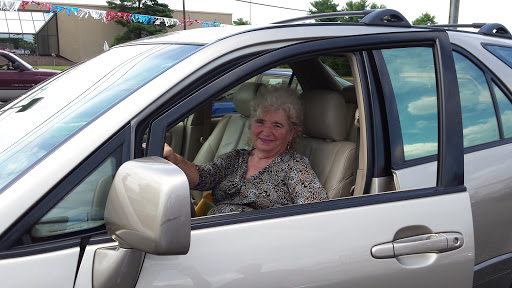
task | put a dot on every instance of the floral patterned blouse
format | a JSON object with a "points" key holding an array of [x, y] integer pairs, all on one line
{"points": [[288, 179]]}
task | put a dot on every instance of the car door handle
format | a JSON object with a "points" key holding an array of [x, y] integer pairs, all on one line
{"points": [[427, 243]]}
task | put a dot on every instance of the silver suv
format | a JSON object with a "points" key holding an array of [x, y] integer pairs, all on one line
{"points": [[413, 156]]}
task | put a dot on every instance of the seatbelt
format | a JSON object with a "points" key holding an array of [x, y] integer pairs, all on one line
{"points": [[207, 123], [356, 164]]}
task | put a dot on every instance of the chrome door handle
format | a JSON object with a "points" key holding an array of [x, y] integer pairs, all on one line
{"points": [[427, 243]]}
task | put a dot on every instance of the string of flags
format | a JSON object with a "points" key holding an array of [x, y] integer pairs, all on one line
{"points": [[105, 16]]}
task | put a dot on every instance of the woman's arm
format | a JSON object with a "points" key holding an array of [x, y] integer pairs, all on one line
{"points": [[303, 184], [187, 167]]}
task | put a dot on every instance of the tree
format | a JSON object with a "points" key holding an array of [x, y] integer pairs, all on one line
{"points": [[328, 6], [136, 30], [358, 6], [425, 19], [323, 6], [241, 21]]}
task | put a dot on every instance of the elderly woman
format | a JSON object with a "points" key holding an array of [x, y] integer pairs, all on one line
{"points": [[270, 175]]}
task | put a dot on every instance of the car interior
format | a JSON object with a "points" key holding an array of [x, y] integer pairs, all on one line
{"points": [[330, 126]]}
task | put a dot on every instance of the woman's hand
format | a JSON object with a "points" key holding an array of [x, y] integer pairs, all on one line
{"points": [[188, 167], [169, 155]]}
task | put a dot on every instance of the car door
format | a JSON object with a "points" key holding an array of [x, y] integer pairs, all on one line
{"points": [[384, 239]]}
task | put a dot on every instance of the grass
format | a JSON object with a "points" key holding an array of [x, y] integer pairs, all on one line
{"points": [[61, 68]]}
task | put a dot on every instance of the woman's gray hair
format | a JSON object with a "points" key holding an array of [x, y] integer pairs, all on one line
{"points": [[280, 98]]}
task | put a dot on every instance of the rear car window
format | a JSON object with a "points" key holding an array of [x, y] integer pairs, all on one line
{"points": [[502, 52], [479, 121], [505, 107]]}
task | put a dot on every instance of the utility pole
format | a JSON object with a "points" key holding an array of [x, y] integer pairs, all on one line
{"points": [[184, 18], [454, 12]]}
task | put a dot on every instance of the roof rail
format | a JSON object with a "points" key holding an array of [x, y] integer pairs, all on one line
{"points": [[383, 17], [387, 17], [325, 15], [495, 29], [490, 29]]}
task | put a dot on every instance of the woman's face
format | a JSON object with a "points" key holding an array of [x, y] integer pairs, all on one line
{"points": [[270, 132]]}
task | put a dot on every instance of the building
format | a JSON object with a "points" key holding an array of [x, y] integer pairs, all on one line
{"points": [[34, 31]]}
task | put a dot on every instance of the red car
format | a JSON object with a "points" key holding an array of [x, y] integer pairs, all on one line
{"points": [[17, 76]]}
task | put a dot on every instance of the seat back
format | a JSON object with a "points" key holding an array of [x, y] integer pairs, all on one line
{"points": [[232, 131], [327, 125]]}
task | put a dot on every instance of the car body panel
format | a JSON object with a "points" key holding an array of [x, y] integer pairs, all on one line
{"points": [[494, 195], [55, 269], [340, 257]]}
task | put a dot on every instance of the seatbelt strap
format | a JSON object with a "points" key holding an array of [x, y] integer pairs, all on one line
{"points": [[356, 164], [207, 123]]}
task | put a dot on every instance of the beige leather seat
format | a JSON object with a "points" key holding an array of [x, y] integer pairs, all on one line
{"points": [[232, 131], [327, 124]]}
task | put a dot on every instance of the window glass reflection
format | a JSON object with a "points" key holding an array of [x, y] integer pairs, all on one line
{"points": [[413, 79], [12, 15], [14, 26], [479, 122]]}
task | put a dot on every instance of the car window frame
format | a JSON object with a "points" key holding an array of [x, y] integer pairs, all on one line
{"points": [[450, 179], [54, 196], [399, 161], [449, 118]]}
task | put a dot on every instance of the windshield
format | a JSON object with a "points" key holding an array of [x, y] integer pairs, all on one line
{"points": [[48, 115]]}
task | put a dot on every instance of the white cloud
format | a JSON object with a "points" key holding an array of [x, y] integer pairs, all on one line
{"points": [[412, 151], [424, 106], [484, 132]]}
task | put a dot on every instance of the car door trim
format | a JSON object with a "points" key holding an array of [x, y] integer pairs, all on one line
{"points": [[325, 206]]}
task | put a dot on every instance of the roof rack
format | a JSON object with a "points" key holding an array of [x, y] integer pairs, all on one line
{"points": [[490, 29], [381, 17]]}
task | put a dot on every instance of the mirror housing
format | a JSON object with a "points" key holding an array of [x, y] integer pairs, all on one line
{"points": [[148, 207]]}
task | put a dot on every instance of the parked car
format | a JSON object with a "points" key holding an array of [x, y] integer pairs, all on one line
{"points": [[413, 156], [17, 76]]}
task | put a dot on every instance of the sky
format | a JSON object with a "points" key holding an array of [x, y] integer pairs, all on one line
{"points": [[470, 11]]}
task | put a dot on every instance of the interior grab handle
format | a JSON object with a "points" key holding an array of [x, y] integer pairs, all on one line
{"points": [[427, 243]]}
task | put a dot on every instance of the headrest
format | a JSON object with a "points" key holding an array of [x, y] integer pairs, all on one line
{"points": [[244, 96], [325, 115]]}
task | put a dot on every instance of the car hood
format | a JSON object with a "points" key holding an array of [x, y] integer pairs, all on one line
{"points": [[47, 71]]}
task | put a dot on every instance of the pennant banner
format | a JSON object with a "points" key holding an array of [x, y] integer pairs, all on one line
{"points": [[105, 16]]}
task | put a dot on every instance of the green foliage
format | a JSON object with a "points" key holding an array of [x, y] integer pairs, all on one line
{"points": [[323, 6], [241, 21], [18, 43], [425, 19], [358, 6], [328, 6], [340, 65], [136, 30]]}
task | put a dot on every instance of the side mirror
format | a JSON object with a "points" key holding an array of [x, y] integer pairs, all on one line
{"points": [[147, 211]]}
